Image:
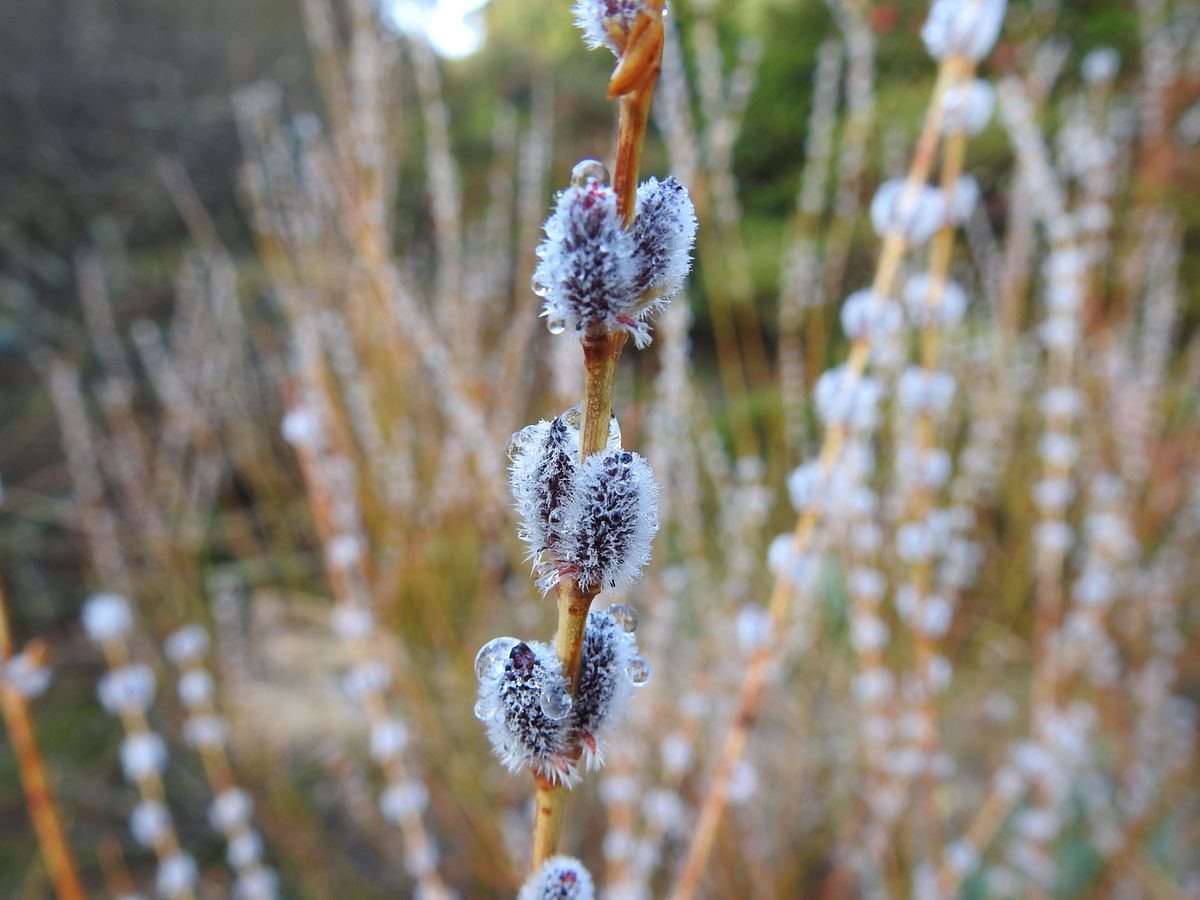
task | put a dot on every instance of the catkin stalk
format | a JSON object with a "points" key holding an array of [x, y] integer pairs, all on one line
{"points": [[600, 355], [39, 799]]}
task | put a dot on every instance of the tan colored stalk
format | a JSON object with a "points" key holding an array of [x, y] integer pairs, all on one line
{"points": [[716, 798], [39, 799], [633, 81]]}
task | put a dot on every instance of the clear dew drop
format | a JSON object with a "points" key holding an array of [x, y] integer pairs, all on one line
{"points": [[486, 709], [555, 701], [489, 661], [625, 616], [520, 440], [589, 170], [555, 517], [638, 672], [573, 418], [614, 433], [556, 325], [538, 286]]}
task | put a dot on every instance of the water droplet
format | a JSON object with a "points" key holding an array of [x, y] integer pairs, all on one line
{"points": [[556, 325], [486, 709], [555, 701], [588, 170], [614, 433], [573, 418], [555, 517], [625, 616], [520, 440], [489, 661], [538, 286], [638, 672]]}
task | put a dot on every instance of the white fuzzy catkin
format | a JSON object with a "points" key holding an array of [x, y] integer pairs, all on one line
{"points": [[129, 688], [609, 521], [586, 266], [966, 108], [541, 476], [609, 651], [559, 878], [911, 213], [596, 274], [142, 754], [106, 617], [606, 23], [186, 645], [969, 27], [664, 231], [513, 702], [26, 674]]}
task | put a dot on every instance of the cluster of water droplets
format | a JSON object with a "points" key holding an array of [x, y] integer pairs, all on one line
{"points": [[555, 699], [638, 669]]}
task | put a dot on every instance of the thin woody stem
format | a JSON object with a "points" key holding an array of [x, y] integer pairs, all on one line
{"points": [[631, 132], [601, 351], [38, 797]]}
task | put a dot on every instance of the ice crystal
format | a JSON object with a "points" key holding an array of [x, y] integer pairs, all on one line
{"points": [[559, 878], [596, 274], [604, 685], [609, 521], [522, 735], [606, 23]]}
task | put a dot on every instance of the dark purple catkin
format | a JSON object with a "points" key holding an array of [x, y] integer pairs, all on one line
{"points": [[597, 275], [525, 701], [559, 878], [609, 521], [609, 671], [541, 475]]}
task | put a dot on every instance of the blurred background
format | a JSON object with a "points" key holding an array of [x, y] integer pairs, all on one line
{"points": [[265, 330]]}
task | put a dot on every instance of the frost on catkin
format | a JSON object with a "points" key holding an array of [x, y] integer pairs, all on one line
{"points": [[559, 878], [664, 230], [541, 475], [586, 269], [606, 23], [514, 705], [597, 275], [609, 521], [609, 654]]}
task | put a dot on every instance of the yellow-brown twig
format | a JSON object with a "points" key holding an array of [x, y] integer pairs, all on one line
{"points": [[633, 81], [39, 799]]}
